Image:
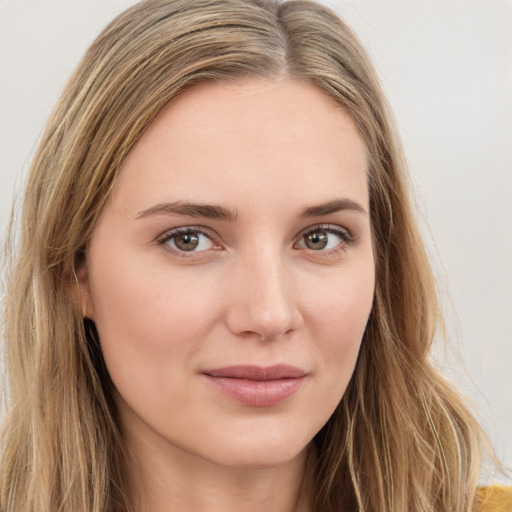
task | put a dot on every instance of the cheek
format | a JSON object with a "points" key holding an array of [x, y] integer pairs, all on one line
{"points": [[338, 314], [340, 307], [148, 319]]}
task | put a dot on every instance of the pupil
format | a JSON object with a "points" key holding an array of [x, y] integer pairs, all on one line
{"points": [[316, 240], [187, 242]]}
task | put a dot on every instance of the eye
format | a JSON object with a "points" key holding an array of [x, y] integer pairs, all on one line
{"points": [[187, 240], [325, 238]]}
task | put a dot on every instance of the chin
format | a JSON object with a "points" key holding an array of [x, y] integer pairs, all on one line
{"points": [[259, 452], [262, 459]]}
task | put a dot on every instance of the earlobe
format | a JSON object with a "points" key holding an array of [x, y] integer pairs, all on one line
{"points": [[80, 290]]}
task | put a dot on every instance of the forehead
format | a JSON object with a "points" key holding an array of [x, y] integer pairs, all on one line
{"points": [[239, 139]]}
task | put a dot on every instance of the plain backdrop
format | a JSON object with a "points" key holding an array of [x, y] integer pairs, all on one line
{"points": [[447, 70]]}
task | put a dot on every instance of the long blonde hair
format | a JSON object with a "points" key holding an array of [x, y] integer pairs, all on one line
{"points": [[400, 440]]}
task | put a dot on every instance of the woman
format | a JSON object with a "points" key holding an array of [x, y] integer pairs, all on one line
{"points": [[220, 300]]}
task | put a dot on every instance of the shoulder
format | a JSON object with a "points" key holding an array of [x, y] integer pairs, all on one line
{"points": [[494, 498]]}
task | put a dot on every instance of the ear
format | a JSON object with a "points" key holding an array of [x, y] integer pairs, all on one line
{"points": [[80, 292]]}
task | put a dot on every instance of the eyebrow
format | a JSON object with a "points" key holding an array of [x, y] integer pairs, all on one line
{"points": [[334, 206], [190, 210], [209, 211]]}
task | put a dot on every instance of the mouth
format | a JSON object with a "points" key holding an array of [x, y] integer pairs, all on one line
{"points": [[256, 386]]}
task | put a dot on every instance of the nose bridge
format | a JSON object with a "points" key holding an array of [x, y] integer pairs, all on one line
{"points": [[263, 301]]}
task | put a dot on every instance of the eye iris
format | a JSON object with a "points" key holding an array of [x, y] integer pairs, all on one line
{"points": [[316, 240], [187, 241]]}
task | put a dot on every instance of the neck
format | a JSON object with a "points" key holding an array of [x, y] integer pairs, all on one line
{"points": [[167, 479]]}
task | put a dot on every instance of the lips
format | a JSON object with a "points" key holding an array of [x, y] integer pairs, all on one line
{"points": [[256, 386]]}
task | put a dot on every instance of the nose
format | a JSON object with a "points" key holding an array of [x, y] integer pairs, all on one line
{"points": [[262, 298]]}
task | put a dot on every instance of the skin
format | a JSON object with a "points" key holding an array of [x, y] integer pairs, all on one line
{"points": [[252, 292]]}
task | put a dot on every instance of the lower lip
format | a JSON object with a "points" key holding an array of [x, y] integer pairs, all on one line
{"points": [[257, 393]]}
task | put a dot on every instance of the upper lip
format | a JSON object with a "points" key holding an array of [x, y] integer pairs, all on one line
{"points": [[261, 373]]}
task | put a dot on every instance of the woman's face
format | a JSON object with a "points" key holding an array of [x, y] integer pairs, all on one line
{"points": [[231, 273]]}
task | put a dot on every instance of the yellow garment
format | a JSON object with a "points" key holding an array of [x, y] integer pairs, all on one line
{"points": [[494, 498]]}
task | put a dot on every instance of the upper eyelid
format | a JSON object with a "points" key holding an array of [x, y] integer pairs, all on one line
{"points": [[181, 229], [334, 227]]}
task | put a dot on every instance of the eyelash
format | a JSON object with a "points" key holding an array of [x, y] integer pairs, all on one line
{"points": [[346, 239], [170, 235]]}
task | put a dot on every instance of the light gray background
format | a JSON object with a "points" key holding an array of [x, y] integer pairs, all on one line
{"points": [[447, 69]]}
